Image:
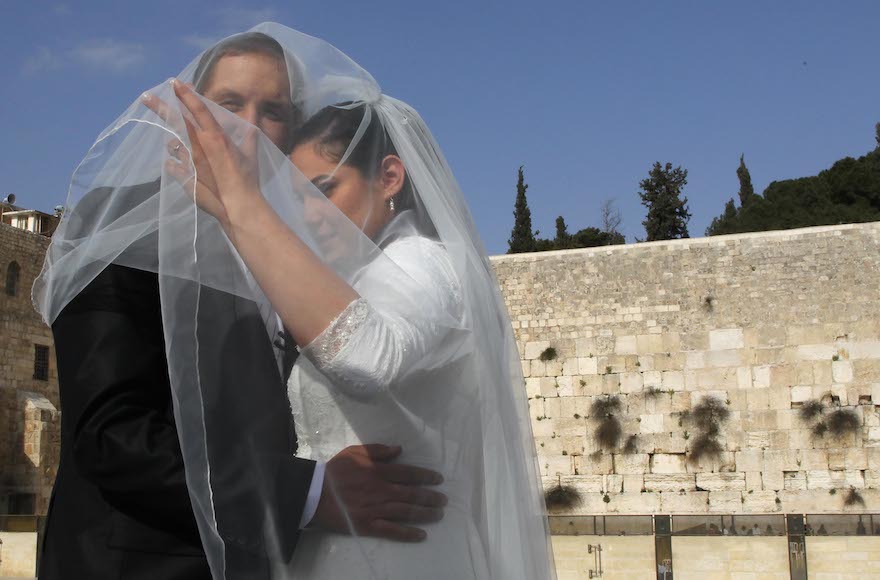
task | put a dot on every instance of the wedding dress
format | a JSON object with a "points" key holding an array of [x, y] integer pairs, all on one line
{"points": [[350, 386]]}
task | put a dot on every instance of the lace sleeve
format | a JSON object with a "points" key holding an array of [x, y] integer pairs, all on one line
{"points": [[365, 350]]}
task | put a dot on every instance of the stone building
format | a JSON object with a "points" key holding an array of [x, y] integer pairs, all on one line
{"points": [[751, 331], [29, 418]]}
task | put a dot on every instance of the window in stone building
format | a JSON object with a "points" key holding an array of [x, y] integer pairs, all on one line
{"points": [[41, 362], [12, 274]]}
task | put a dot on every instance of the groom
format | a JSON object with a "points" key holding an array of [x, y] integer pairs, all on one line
{"points": [[120, 506]]}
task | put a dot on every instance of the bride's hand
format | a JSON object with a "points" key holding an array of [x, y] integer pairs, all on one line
{"points": [[227, 176]]}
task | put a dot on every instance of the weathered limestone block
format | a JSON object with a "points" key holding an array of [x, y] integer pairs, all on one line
{"points": [[772, 480], [594, 463], [795, 480], [694, 502], [669, 482], [613, 483], [534, 349], [633, 483], [632, 464], [672, 380], [724, 339], [668, 463], [625, 345], [555, 465], [749, 460], [631, 382], [669, 443], [723, 358], [583, 483], [721, 481], [630, 503], [760, 502], [754, 482], [727, 502], [814, 459], [801, 394], [824, 479], [651, 423], [588, 365], [841, 371], [761, 377]]}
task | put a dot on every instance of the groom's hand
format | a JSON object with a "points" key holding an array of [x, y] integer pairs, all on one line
{"points": [[380, 498]]}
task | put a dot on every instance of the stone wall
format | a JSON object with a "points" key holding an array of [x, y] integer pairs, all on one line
{"points": [[703, 558], [18, 552], [623, 558], [845, 558], [762, 323], [29, 422]]}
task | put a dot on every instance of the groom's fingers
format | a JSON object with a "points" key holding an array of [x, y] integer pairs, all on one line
{"points": [[408, 513], [376, 452], [409, 475], [418, 496], [393, 531]]}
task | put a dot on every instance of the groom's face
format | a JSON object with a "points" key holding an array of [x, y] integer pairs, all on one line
{"points": [[255, 87]]}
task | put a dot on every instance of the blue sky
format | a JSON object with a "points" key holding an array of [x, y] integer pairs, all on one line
{"points": [[587, 95]]}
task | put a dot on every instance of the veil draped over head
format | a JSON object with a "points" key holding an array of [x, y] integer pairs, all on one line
{"points": [[453, 397]]}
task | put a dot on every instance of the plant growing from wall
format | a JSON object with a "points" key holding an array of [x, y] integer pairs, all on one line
{"points": [[632, 445], [842, 422], [853, 497], [839, 422], [548, 354], [562, 497], [708, 417], [605, 411]]}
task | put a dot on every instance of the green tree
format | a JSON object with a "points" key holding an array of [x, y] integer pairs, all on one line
{"points": [[746, 191], [877, 134], [521, 238], [668, 214], [563, 239], [726, 222]]}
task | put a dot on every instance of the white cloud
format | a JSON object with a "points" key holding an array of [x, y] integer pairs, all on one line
{"points": [[109, 54], [43, 60]]}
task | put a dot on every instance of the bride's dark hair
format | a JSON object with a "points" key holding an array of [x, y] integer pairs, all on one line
{"points": [[333, 128]]}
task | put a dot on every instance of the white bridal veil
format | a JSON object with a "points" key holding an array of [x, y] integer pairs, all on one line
{"points": [[459, 401]]}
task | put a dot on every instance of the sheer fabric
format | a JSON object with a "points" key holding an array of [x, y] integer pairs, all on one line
{"points": [[424, 357]]}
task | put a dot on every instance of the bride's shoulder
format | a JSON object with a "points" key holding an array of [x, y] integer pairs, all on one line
{"points": [[422, 255], [417, 247]]}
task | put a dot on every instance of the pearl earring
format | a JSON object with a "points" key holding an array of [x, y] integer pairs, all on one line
{"points": [[391, 204]]}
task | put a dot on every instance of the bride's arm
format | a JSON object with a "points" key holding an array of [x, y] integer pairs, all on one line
{"points": [[371, 347], [307, 294]]}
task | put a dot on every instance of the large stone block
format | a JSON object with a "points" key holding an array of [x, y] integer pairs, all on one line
{"points": [[651, 423], [749, 460], [668, 463], [632, 464], [721, 481], [534, 349], [760, 502], [670, 482], [727, 338]]}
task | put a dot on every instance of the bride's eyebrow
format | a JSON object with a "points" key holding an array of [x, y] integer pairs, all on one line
{"points": [[226, 94]]}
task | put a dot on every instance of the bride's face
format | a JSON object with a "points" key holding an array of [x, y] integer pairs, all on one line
{"points": [[363, 199]]}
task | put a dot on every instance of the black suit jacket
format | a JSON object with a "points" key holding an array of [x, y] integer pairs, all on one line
{"points": [[120, 507]]}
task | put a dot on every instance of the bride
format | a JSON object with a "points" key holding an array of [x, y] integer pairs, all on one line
{"points": [[360, 242]]}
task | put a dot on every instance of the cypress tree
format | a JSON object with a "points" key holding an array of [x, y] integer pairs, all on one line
{"points": [[521, 238], [667, 211], [563, 239], [746, 191]]}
